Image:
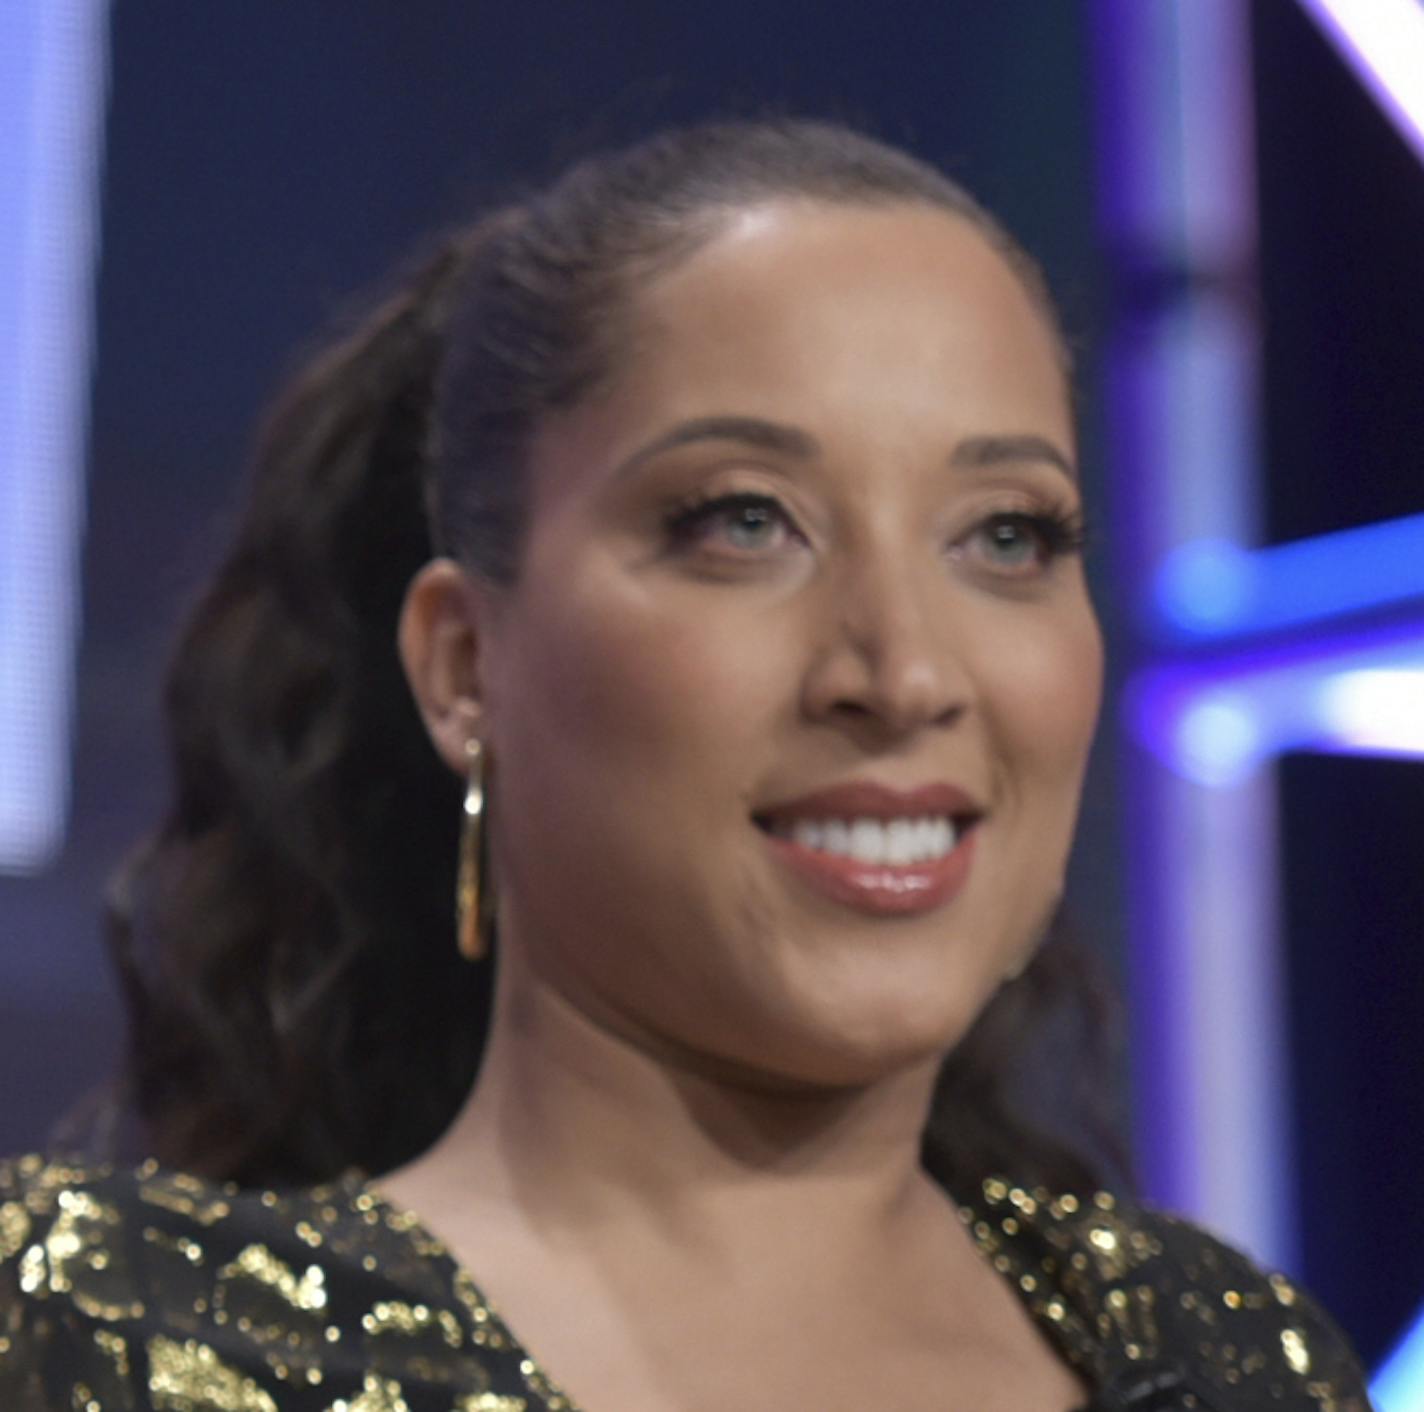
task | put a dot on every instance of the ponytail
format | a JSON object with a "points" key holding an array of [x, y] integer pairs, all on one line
{"points": [[285, 941]]}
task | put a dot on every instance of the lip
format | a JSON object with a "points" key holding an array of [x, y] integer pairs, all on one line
{"points": [[879, 890]]}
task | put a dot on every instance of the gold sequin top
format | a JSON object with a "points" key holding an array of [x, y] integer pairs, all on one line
{"points": [[149, 1291]]}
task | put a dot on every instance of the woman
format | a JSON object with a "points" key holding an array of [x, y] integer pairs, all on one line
{"points": [[721, 503]]}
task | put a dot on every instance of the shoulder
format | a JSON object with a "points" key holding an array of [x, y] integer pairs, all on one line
{"points": [[61, 1332], [1129, 1288], [117, 1282], [120, 1283]]}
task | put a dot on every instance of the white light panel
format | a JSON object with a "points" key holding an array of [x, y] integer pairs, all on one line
{"points": [[52, 87]]}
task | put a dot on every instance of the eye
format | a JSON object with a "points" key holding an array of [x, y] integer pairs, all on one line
{"points": [[744, 523], [1019, 543]]}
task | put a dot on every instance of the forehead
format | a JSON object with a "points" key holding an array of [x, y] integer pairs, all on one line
{"points": [[911, 279], [900, 326]]}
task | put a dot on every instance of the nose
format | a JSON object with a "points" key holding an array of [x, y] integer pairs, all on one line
{"points": [[887, 657]]}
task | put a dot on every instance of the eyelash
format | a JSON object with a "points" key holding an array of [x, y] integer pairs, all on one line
{"points": [[1058, 533], [689, 523]]}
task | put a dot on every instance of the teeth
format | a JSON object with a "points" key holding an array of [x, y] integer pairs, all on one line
{"points": [[809, 834], [868, 841], [895, 843], [902, 838]]}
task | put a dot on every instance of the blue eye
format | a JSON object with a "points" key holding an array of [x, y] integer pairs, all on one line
{"points": [[746, 523], [1019, 542]]}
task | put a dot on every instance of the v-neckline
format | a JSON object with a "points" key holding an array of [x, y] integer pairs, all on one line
{"points": [[492, 1327]]}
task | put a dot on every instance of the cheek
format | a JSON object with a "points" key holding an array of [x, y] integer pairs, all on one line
{"points": [[609, 681], [629, 727], [1043, 691]]}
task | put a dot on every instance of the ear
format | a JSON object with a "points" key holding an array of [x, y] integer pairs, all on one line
{"points": [[439, 642]]}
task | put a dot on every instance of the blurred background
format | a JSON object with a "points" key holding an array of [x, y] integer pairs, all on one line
{"points": [[1228, 198]]}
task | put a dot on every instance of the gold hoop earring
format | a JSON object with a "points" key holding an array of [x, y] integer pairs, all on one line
{"points": [[471, 885]]}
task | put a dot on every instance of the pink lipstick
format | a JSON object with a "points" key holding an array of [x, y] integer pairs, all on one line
{"points": [[881, 851]]}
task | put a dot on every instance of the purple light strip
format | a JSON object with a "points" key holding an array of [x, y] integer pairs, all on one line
{"points": [[1179, 216], [1219, 721], [1383, 41]]}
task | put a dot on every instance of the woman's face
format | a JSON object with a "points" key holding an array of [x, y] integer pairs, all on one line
{"points": [[791, 704]]}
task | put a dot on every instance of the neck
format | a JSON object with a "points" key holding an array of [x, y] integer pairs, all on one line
{"points": [[579, 1126]]}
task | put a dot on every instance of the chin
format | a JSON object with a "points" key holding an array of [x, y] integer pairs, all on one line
{"points": [[874, 1038]]}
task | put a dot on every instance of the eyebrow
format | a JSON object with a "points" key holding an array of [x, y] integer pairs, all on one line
{"points": [[974, 453], [751, 431], [981, 452]]}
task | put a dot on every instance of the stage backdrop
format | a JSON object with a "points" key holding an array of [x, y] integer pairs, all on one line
{"points": [[265, 161]]}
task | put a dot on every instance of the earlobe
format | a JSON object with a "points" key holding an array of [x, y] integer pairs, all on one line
{"points": [[438, 638]]}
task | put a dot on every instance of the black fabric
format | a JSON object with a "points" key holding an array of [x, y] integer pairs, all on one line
{"points": [[152, 1291]]}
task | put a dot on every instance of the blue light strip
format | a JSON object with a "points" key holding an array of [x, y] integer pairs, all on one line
{"points": [[52, 84], [1399, 1384], [1213, 590], [1216, 722]]}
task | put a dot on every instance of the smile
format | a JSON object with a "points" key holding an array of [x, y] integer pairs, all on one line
{"points": [[874, 867], [897, 843], [880, 851]]}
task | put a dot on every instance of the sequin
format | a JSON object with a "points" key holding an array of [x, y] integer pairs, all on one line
{"points": [[154, 1290], [1297, 1354], [190, 1377], [377, 1395], [396, 1316], [14, 1228], [180, 1197]]}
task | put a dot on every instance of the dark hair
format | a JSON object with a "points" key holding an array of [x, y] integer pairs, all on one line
{"points": [[285, 940]]}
